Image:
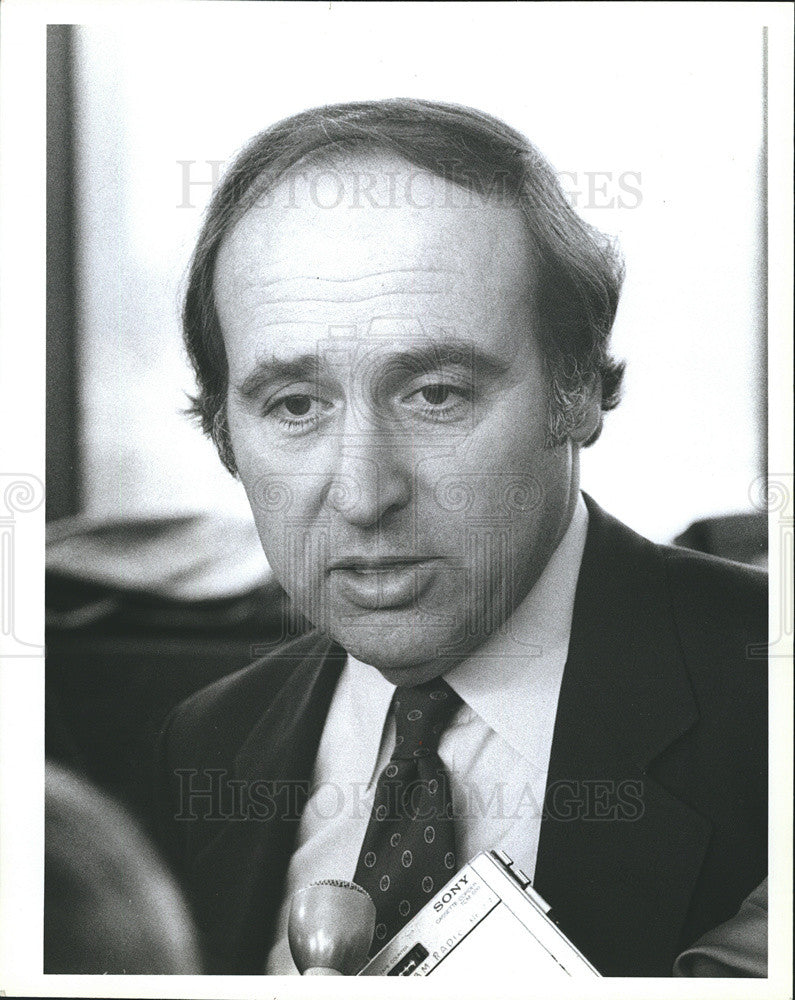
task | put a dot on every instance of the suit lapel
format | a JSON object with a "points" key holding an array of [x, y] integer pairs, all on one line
{"points": [[239, 876], [618, 854]]}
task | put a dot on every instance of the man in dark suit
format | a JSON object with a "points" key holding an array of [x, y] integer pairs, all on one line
{"points": [[400, 331]]}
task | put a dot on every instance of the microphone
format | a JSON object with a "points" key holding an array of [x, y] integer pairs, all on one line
{"points": [[330, 928]]}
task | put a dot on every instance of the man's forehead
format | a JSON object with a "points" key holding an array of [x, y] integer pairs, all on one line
{"points": [[371, 309], [371, 215]]}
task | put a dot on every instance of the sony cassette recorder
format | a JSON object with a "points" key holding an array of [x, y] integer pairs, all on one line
{"points": [[487, 916]]}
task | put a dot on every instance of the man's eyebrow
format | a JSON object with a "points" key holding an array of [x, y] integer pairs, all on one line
{"points": [[419, 360], [426, 358], [302, 368]]}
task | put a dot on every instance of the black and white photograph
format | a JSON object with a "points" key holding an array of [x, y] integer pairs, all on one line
{"points": [[397, 502]]}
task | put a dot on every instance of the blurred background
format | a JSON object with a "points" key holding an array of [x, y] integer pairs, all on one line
{"points": [[658, 133]]}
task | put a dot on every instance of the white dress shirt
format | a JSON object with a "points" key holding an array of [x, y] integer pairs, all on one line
{"points": [[496, 748]]}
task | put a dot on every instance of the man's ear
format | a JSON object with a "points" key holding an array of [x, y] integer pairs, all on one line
{"points": [[587, 418]]}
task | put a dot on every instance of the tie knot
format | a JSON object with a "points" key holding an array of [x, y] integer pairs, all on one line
{"points": [[421, 715]]}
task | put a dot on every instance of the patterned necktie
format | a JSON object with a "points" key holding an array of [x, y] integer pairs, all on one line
{"points": [[408, 851]]}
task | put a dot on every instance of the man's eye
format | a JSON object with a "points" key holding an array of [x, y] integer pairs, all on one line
{"points": [[435, 394], [298, 406], [439, 400], [298, 411]]}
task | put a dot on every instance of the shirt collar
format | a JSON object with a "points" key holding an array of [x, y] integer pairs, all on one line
{"points": [[512, 681], [367, 694]]}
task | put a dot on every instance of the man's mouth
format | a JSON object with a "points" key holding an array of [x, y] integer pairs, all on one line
{"points": [[382, 582], [377, 564]]}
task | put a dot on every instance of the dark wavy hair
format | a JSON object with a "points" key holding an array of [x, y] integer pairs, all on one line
{"points": [[577, 271]]}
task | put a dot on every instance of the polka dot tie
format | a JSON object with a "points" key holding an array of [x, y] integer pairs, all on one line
{"points": [[408, 852]]}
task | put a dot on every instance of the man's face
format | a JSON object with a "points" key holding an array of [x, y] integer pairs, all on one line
{"points": [[387, 409]]}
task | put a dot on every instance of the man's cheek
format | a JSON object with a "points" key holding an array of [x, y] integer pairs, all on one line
{"points": [[298, 557]]}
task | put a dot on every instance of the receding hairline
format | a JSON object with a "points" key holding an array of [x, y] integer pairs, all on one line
{"points": [[342, 161], [375, 156]]}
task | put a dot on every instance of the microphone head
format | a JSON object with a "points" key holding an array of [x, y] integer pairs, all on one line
{"points": [[330, 927]]}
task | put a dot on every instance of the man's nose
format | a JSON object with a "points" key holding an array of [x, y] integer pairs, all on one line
{"points": [[372, 475]]}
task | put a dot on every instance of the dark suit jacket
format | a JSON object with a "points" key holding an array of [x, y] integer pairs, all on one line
{"points": [[655, 820]]}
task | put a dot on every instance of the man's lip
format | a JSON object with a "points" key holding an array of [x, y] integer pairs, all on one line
{"points": [[383, 583], [373, 565]]}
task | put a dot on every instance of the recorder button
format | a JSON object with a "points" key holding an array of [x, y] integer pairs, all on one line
{"points": [[540, 902], [520, 877], [502, 857]]}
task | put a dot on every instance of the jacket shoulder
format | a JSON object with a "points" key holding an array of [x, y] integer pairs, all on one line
{"points": [[211, 724], [709, 613], [712, 603], [721, 612], [717, 588]]}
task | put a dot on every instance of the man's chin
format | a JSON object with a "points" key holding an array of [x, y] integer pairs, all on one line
{"points": [[404, 656], [413, 675]]}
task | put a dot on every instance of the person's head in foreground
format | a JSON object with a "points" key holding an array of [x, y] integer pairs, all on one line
{"points": [[110, 905]]}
